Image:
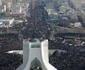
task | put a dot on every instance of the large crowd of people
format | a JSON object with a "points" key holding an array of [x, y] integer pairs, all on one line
{"points": [[73, 59], [9, 42], [10, 61], [37, 27]]}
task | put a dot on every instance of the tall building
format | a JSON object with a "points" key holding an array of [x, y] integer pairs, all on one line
{"points": [[9, 4], [0, 2]]}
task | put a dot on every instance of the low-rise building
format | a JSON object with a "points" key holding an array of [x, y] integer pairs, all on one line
{"points": [[6, 22]]}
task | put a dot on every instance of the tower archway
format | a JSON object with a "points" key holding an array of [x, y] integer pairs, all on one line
{"points": [[35, 65]]}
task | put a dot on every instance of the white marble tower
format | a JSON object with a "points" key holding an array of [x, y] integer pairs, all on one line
{"points": [[35, 56]]}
